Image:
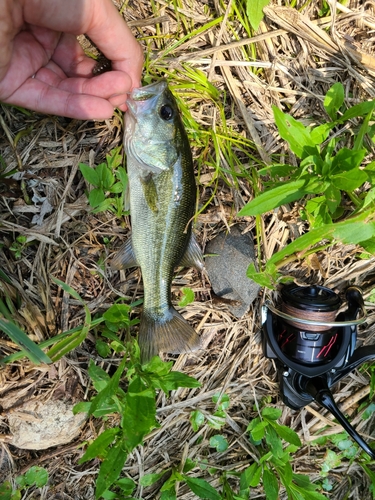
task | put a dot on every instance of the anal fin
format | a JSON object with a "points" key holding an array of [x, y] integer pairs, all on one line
{"points": [[125, 257], [193, 256]]}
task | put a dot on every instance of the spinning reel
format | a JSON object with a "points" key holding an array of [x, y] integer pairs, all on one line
{"points": [[313, 348]]}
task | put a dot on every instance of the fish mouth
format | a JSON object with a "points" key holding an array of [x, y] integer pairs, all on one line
{"points": [[148, 91], [143, 97]]}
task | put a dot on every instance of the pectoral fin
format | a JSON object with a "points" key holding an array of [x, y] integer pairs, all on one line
{"points": [[149, 192], [193, 256], [125, 257]]}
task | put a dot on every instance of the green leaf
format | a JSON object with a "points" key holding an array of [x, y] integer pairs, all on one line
{"points": [[126, 485], [287, 434], [110, 468], [286, 471], [202, 488], [196, 419], [360, 109], [317, 212], [99, 447], [331, 460], [4, 277], [122, 176], [320, 133], [327, 484], [259, 431], [347, 160], [341, 231], [149, 479], [304, 482], [369, 198], [169, 494], [270, 485], [277, 170], [31, 350], [369, 411], [173, 380], [334, 99], [67, 344], [295, 133], [222, 400], [363, 130], [264, 278], [103, 348], [6, 491], [272, 198], [99, 377], [189, 465], [349, 180], [250, 476], [187, 296], [96, 197], [139, 415], [157, 367], [254, 11], [114, 158], [369, 245], [274, 442], [118, 313], [37, 476], [89, 174], [116, 188], [106, 178], [333, 198], [109, 495], [271, 413], [217, 420], [370, 473], [106, 204], [353, 233], [109, 390], [81, 407], [219, 442]]}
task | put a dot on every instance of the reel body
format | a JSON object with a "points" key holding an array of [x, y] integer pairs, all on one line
{"points": [[313, 348]]}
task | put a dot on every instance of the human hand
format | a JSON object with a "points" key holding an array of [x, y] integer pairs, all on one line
{"points": [[43, 67]]}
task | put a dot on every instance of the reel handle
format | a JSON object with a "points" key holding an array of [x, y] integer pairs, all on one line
{"points": [[355, 302], [317, 388]]}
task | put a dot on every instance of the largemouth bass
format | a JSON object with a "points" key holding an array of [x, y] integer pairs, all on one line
{"points": [[162, 204]]}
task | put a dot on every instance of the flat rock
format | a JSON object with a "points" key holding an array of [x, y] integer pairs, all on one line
{"points": [[38, 425], [227, 269]]}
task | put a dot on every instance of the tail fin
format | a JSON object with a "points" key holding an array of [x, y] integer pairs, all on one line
{"points": [[172, 334]]}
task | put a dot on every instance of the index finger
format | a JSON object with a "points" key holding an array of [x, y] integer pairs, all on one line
{"points": [[115, 39], [100, 20]]}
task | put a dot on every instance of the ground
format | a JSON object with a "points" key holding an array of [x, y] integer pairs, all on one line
{"points": [[226, 78]]}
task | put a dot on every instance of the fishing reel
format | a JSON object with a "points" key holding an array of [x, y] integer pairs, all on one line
{"points": [[314, 346]]}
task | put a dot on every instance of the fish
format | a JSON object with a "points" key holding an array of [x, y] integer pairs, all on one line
{"points": [[162, 194]]}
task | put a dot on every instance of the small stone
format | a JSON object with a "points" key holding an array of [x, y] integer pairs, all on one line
{"points": [[226, 270]]}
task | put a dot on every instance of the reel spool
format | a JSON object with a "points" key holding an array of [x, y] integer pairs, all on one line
{"points": [[314, 343], [314, 346]]}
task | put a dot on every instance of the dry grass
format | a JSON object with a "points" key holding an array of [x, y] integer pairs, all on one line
{"points": [[290, 63]]}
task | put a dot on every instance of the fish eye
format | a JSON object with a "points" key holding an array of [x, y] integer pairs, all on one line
{"points": [[166, 112]]}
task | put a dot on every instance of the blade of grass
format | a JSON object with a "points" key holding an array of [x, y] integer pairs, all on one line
{"points": [[32, 350]]}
